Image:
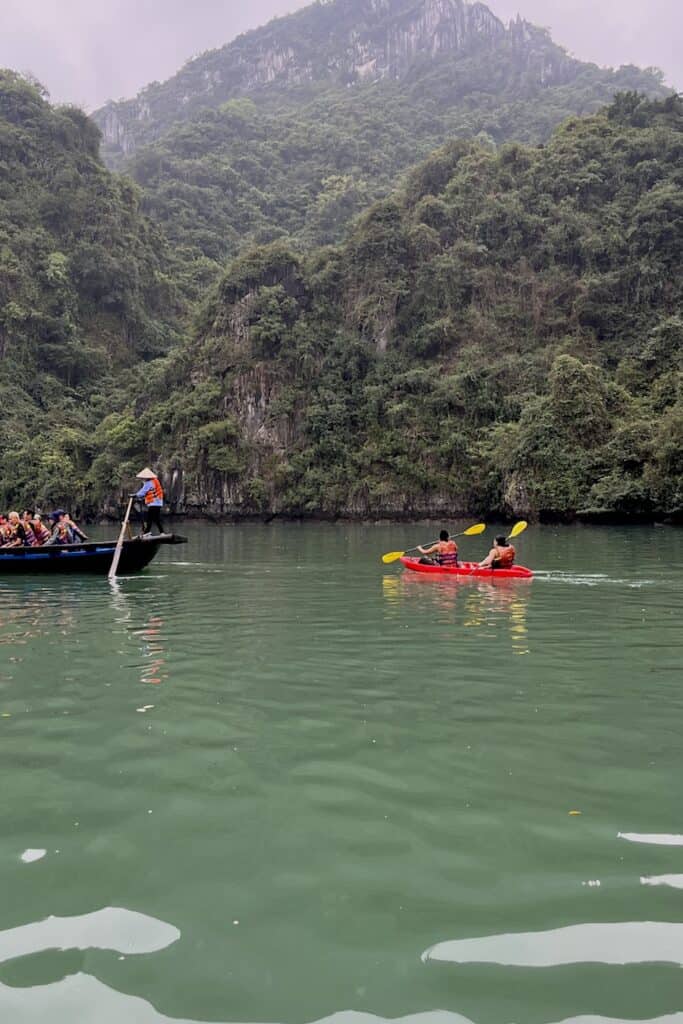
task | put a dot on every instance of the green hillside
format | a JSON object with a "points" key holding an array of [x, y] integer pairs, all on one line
{"points": [[84, 291], [293, 129], [250, 173], [502, 335]]}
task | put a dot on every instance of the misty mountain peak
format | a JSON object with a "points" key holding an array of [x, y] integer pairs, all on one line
{"points": [[335, 42]]}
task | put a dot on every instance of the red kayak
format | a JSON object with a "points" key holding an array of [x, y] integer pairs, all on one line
{"points": [[516, 572]]}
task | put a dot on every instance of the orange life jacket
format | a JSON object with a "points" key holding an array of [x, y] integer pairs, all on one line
{"points": [[155, 493], [448, 552], [41, 532], [505, 557]]}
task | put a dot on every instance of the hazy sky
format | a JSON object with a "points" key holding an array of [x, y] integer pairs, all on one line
{"points": [[87, 51]]}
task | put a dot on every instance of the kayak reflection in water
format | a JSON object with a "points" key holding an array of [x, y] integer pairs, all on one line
{"points": [[445, 549], [501, 555]]}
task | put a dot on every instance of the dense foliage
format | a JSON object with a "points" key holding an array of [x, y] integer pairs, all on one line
{"points": [[302, 163], [500, 333], [84, 290], [293, 129], [503, 334]]}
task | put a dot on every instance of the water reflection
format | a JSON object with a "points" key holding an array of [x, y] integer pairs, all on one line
{"points": [[655, 839], [28, 613], [481, 605], [93, 1001], [153, 650], [115, 928], [630, 942], [672, 881], [150, 637]]}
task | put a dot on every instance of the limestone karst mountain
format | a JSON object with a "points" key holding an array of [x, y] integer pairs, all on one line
{"points": [[342, 42], [294, 128]]}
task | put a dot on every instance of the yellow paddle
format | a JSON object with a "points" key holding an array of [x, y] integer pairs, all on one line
{"points": [[518, 528], [471, 531]]}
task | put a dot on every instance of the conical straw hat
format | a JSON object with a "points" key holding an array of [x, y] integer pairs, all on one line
{"points": [[146, 474]]}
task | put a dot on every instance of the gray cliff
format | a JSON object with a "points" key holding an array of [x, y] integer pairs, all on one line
{"points": [[335, 42]]}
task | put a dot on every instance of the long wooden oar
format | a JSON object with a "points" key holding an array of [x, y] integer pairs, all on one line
{"points": [[471, 531], [518, 528], [119, 544]]}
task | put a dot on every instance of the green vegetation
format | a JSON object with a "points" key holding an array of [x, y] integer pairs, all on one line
{"points": [[303, 163], [86, 288], [292, 130], [502, 335]]}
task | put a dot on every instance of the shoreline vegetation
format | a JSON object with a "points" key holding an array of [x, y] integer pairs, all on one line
{"points": [[587, 518]]}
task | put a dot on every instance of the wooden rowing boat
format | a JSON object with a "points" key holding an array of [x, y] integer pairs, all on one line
{"points": [[86, 557]]}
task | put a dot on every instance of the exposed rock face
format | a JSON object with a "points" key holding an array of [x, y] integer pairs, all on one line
{"points": [[343, 42]]}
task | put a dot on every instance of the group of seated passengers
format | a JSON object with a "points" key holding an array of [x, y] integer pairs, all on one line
{"points": [[29, 530]]}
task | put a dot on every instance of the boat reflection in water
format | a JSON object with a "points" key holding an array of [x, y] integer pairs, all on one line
{"points": [[30, 610], [480, 605]]}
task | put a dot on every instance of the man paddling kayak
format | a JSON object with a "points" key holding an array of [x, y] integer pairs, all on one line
{"points": [[501, 555], [445, 549]]}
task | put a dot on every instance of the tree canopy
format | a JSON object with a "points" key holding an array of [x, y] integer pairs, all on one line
{"points": [[503, 334]]}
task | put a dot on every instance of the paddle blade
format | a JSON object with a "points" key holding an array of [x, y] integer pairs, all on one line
{"points": [[474, 531], [392, 556], [518, 528]]}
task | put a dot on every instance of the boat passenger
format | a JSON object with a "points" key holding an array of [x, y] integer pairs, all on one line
{"points": [[153, 495], [445, 549], [40, 530], [501, 555], [61, 532], [76, 532], [5, 532], [16, 533], [30, 538], [27, 522]]}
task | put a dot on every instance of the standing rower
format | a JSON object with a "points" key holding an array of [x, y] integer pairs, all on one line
{"points": [[153, 495]]}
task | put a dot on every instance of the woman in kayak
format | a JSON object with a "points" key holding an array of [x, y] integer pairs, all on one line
{"points": [[446, 551], [501, 555]]}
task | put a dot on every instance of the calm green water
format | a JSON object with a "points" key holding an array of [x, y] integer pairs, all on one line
{"points": [[339, 767]]}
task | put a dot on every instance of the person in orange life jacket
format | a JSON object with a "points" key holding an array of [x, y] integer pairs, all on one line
{"points": [[501, 555], [6, 533], [18, 536], [41, 532], [153, 496], [64, 530], [29, 533], [61, 532], [76, 532], [446, 551]]}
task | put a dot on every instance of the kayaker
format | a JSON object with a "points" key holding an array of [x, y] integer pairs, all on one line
{"points": [[153, 495], [501, 555], [445, 549]]}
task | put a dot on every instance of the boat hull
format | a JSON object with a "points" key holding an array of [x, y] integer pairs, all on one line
{"points": [[468, 570], [93, 557]]}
